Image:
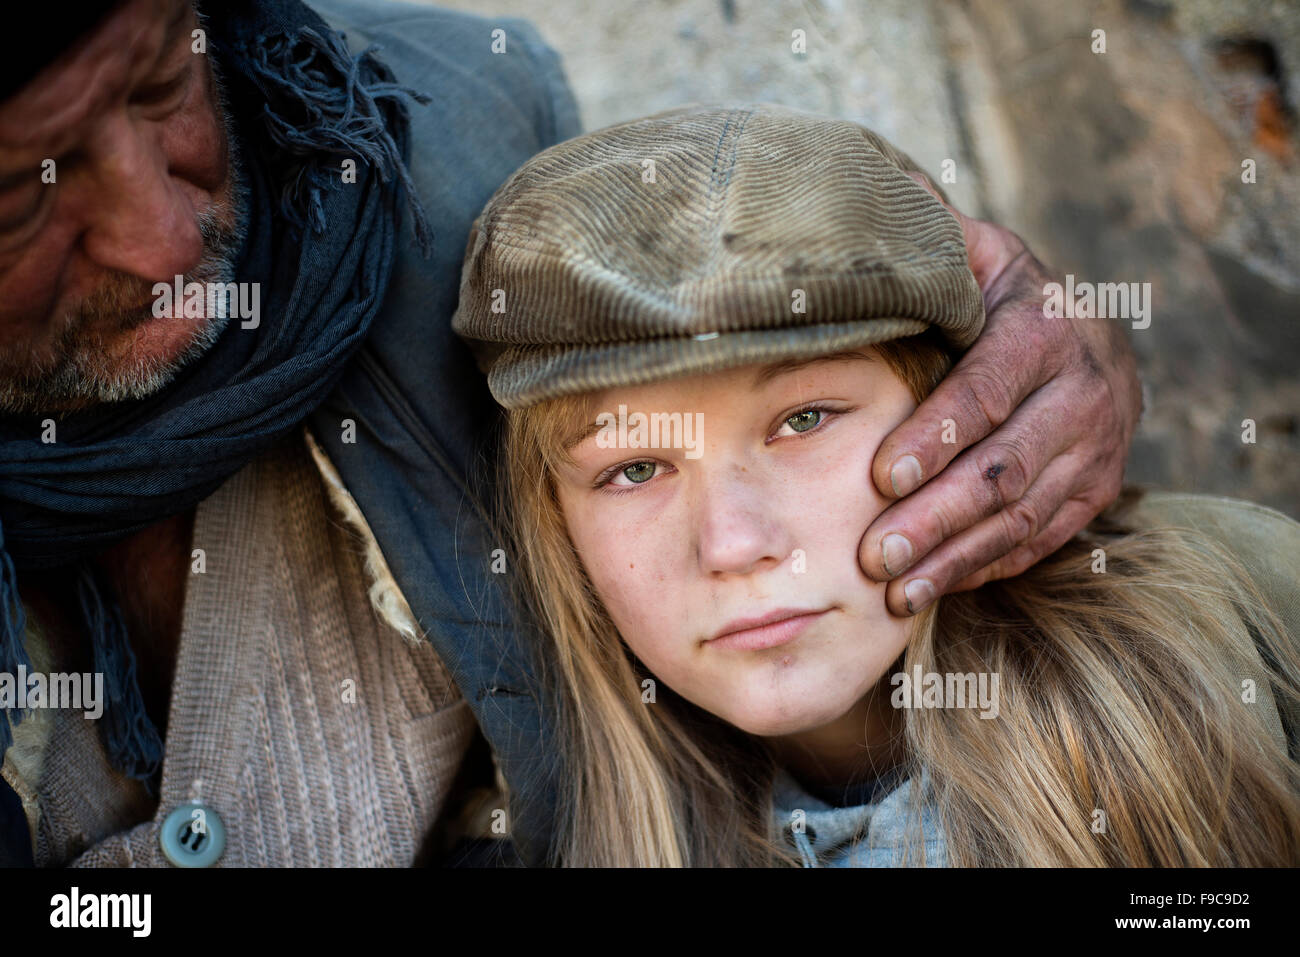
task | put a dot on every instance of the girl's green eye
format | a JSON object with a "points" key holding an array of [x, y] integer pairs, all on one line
{"points": [[636, 473], [803, 421]]}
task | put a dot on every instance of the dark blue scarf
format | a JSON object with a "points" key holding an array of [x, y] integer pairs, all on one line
{"points": [[322, 251]]}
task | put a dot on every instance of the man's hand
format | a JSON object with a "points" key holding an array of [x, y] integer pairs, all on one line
{"points": [[1045, 410]]}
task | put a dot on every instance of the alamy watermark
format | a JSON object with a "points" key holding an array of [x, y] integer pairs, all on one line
{"points": [[216, 300], [951, 690], [1105, 300], [654, 430], [129, 911], [34, 689]]}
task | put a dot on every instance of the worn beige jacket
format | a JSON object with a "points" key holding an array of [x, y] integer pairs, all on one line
{"points": [[307, 710]]}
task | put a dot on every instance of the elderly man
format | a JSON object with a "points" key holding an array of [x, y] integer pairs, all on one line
{"points": [[241, 453]]}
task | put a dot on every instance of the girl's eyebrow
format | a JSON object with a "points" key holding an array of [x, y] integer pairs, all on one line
{"points": [[786, 366], [581, 435]]}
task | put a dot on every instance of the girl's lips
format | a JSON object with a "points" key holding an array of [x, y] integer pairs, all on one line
{"points": [[767, 636]]}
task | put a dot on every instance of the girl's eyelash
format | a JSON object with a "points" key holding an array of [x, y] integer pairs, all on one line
{"points": [[604, 478], [815, 407]]}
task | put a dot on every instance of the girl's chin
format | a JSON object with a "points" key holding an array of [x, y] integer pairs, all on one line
{"points": [[794, 701], [777, 721]]}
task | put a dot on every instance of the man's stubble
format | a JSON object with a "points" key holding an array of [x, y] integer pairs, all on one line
{"points": [[83, 370]]}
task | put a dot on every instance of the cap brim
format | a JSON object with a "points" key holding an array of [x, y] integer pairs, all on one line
{"points": [[524, 375]]}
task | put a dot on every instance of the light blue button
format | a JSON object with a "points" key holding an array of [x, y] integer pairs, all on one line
{"points": [[193, 836]]}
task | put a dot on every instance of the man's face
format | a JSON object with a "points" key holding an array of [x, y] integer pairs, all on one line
{"points": [[144, 190]]}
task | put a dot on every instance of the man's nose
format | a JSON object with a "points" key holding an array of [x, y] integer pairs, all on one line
{"points": [[139, 219], [739, 530]]}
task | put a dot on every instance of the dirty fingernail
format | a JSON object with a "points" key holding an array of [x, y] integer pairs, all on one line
{"points": [[919, 593], [895, 553], [905, 476]]}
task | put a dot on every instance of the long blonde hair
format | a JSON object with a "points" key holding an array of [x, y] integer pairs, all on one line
{"points": [[1122, 740]]}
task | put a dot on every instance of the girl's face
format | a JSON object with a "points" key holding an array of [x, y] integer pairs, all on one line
{"points": [[757, 518]]}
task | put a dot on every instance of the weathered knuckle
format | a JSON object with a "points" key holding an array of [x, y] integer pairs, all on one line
{"points": [[1098, 399], [985, 396], [1048, 536], [1036, 337], [945, 523], [1099, 504], [1072, 337], [1006, 465], [969, 557], [1101, 482], [983, 481], [1020, 560], [1110, 488], [1022, 522]]}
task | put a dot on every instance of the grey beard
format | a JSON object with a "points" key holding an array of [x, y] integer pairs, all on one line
{"points": [[80, 377]]}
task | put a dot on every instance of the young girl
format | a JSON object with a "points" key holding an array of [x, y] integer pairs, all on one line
{"points": [[702, 325]]}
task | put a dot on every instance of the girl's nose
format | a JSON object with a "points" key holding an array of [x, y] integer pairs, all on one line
{"points": [[739, 528]]}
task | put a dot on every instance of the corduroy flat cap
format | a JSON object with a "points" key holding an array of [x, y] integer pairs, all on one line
{"points": [[701, 238]]}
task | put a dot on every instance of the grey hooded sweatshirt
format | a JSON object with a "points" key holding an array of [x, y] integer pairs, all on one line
{"points": [[864, 827]]}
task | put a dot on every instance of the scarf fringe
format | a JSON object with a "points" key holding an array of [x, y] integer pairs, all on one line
{"points": [[131, 739], [321, 100], [13, 651]]}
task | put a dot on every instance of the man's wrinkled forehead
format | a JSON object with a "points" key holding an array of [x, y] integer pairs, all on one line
{"points": [[46, 113]]}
